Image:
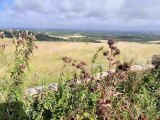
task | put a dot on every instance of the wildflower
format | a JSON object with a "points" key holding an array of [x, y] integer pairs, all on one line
{"points": [[124, 67], [114, 48], [156, 61], [20, 42], [117, 52], [106, 53], [111, 42], [80, 66], [66, 59], [83, 63]]}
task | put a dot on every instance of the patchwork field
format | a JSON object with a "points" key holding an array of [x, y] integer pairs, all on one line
{"points": [[46, 63]]}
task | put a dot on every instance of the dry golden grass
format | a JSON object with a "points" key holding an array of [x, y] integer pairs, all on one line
{"points": [[46, 63]]}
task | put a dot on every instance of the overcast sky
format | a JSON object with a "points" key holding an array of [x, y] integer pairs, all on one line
{"points": [[81, 14]]}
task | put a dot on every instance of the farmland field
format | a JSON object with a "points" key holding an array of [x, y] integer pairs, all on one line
{"points": [[46, 63]]}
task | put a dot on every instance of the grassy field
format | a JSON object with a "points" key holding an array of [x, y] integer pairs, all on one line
{"points": [[46, 63]]}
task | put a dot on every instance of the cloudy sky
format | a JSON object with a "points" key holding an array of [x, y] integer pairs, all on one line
{"points": [[81, 14]]}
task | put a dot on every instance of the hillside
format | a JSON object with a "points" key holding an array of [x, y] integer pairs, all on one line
{"points": [[91, 36]]}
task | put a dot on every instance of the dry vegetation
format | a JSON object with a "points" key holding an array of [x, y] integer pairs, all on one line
{"points": [[46, 61]]}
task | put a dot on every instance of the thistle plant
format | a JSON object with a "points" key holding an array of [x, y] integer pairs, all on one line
{"points": [[3, 58], [81, 66], [24, 47], [110, 55], [107, 85]]}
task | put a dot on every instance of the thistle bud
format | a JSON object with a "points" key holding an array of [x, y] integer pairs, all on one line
{"points": [[124, 67], [111, 42], [117, 52], [83, 63], [66, 59], [106, 53], [20, 42], [114, 48]]}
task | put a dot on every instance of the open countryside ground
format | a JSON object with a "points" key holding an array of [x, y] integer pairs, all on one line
{"points": [[46, 63]]}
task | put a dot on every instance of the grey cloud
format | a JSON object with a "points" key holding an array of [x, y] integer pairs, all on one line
{"points": [[36, 6], [86, 13], [144, 9]]}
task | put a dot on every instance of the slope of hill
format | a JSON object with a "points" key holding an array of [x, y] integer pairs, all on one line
{"points": [[91, 36]]}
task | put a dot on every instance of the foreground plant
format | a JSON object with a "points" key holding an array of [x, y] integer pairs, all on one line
{"points": [[24, 49], [120, 95], [117, 102]]}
